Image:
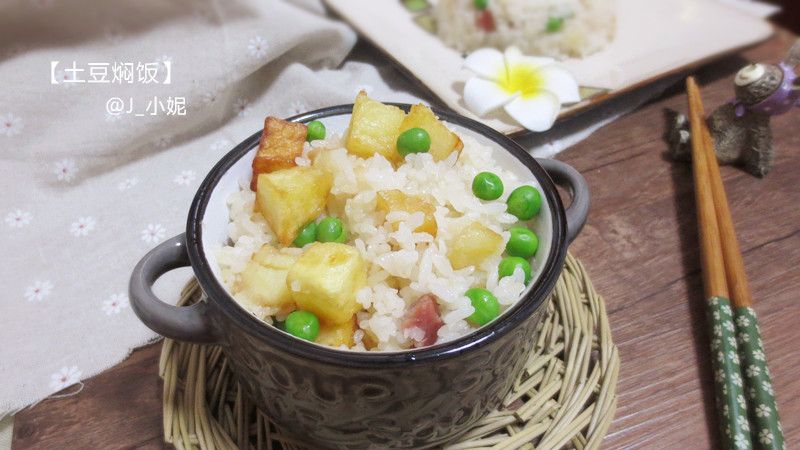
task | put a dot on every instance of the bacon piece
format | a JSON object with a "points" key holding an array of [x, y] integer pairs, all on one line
{"points": [[422, 321]]}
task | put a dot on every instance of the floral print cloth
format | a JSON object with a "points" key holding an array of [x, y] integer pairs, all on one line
{"points": [[111, 113]]}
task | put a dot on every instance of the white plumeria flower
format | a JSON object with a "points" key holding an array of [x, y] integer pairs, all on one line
{"points": [[753, 393], [38, 291], [742, 321], [221, 144], [744, 337], [716, 315], [753, 371], [65, 170], [720, 375], [18, 218], [759, 355], [732, 341], [721, 356], [714, 301], [715, 343], [736, 379], [717, 330], [531, 89], [153, 233], [258, 47], [67, 376], [242, 107], [82, 226], [733, 356], [767, 386], [11, 125], [127, 184], [726, 309], [725, 411], [765, 436], [185, 178], [115, 304], [763, 410]]}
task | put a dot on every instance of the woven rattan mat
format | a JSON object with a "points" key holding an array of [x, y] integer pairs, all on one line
{"points": [[565, 398]]}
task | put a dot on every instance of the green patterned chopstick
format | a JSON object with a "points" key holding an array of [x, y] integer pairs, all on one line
{"points": [[736, 343], [765, 425]]}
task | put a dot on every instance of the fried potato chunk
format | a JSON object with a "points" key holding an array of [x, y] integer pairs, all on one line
{"points": [[473, 245], [443, 141], [263, 280], [325, 281], [291, 198], [374, 128], [281, 142], [338, 334], [397, 200]]}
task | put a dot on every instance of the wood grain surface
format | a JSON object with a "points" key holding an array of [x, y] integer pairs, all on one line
{"points": [[640, 246]]}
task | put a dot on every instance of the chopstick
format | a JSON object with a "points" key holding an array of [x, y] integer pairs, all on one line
{"points": [[723, 273]]}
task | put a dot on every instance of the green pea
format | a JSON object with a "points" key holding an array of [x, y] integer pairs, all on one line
{"points": [[481, 4], [487, 186], [330, 229], [554, 24], [303, 324], [509, 265], [307, 235], [413, 140], [316, 131], [524, 202], [485, 304], [523, 242]]}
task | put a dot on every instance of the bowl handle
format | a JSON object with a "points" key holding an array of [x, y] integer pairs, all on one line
{"points": [[184, 323], [566, 176]]}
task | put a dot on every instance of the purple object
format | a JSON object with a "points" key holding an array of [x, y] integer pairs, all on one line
{"points": [[781, 101]]}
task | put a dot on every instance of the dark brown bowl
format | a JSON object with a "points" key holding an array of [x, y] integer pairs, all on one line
{"points": [[338, 398]]}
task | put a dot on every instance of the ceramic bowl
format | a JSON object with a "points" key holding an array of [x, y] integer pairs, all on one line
{"points": [[337, 398]]}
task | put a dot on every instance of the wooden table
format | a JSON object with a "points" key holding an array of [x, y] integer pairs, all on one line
{"points": [[640, 247]]}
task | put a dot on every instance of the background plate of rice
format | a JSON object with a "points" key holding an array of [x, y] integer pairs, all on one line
{"points": [[653, 39]]}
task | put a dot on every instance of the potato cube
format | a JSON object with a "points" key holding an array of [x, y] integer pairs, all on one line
{"points": [[291, 198], [443, 141], [337, 335], [325, 280], [263, 281], [280, 144], [396, 200], [473, 245], [374, 128]]}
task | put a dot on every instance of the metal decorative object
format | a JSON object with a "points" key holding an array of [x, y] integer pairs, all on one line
{"points": [[740, 128]]}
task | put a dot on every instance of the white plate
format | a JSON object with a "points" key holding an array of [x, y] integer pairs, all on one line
{"points": [[654, 38]]}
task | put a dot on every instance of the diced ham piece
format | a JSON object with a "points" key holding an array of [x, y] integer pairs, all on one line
{"points": [[422, 321], [485, 21]]}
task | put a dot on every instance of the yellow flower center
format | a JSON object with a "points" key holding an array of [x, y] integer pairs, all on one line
{"points": [[523, 78]]}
